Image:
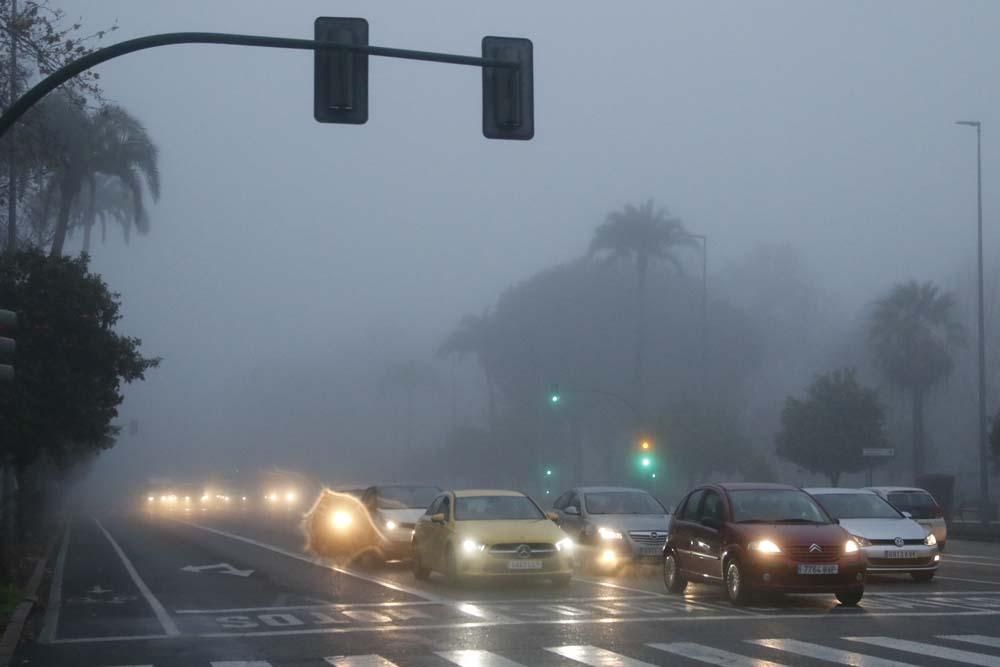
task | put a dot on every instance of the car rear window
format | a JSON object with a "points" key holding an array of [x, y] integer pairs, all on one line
{"points": [[918, 503]]}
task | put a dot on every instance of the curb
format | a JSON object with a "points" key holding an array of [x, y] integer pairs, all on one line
{"points": [[12, 635]]}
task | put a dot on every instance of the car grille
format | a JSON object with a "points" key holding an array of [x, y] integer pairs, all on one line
{"points": [[509, 550], [830, 553], [901, 562], [893, 543], [645, 537]]}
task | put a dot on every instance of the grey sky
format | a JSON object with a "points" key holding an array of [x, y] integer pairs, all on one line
{"points": [[828, 125]]}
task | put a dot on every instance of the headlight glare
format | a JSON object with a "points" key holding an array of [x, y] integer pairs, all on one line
{"points": [[565, 544], [609, 534], [851, 547], [390, 525], [930, 540], [862, 541], [766, 547], [341, 519], [470, 546]]}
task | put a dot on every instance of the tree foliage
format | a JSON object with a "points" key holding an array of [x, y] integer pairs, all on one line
{"points": [[698, 438], [70, 361], [827, 430]]}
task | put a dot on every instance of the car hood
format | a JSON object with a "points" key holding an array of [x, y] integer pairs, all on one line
{"points": [[624, 523], [401, 516], [784, 534], [500, 532], [884, 529]]}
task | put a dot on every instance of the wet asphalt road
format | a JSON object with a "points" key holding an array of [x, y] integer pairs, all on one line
{"points": [[240, 591]]}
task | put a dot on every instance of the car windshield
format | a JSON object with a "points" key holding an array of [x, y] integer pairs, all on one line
{"points": [[919, 504], [406, 497], [496, 508], [622, 502], [775, 506], [856, 506]]}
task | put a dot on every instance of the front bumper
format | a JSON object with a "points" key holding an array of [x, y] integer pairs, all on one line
{"points": [[890, 558], [486, 564], [780, 574]]}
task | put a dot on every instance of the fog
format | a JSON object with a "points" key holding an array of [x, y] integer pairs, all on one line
{"points": [[291, 263]]}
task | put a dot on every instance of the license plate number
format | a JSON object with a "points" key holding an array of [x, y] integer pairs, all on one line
{"points": [[524, 565], [900, 554], [819, 569], [650, 551]]}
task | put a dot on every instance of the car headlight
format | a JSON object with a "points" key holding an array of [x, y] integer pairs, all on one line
{"points": [[291, 497], [470, 546], [608, 534], [862, 541], [930, 540], [767, 547], [150, 499], [341, 519], [565, 544], [391, 525], [851, 547]]}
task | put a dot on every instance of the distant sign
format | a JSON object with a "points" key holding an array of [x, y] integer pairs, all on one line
{"points": [[878, 451]]}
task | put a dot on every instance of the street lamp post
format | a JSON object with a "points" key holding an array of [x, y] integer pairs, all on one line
{"points": [[984, 475]]}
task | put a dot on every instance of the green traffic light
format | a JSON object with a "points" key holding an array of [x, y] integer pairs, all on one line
{"points": [[548, 472], [646, 462], [653, 475], [554, 398]]}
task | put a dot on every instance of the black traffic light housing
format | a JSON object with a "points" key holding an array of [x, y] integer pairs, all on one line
{"points": [[508, 93], [8, 322], [340, 87]]}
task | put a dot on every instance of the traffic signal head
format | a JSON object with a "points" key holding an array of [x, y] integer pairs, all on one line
{"points": [[8, 322], [554, 395], [548, 472], [645, 445], [340, 77], [646, 462], [508, 92]]}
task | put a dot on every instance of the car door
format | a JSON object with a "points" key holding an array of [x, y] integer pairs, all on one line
{"points": [[424, 532], [572, 520], [681, 536], [441, 532], [706, 535]]}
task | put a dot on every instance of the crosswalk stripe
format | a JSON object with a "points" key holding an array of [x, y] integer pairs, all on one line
{"points": [[981, 640], [826, 653], [930, 650], [370, 660], [712, 656], [241, 663], [597, 657], [477, 659]]}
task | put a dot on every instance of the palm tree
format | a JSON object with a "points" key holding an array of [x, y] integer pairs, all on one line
{"points": [[641, 234], [473, 336], [913, 336], [110, 143], [108, 200]]}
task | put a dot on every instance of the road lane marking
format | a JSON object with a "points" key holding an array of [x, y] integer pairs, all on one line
{"points": [[930, 650], [240, 663], [111, 638], [391, 585], [370, 660], [597, 657], [169, 627], [50, 623], [415, 603], [712, 656], [827, 654], [981, 640], [970, 581], [968, 563], [477, 659]]}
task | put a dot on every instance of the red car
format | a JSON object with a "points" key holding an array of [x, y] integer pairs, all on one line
{"points": [[761, 538]]}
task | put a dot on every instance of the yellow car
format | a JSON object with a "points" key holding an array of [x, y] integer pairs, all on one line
{"points": [[479, 533]]}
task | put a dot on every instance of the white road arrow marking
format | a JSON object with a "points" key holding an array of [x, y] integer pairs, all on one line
{"points": [[97, 590], [220, 568]]}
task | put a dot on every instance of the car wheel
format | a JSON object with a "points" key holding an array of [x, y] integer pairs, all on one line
{"points": [[737, 588], [419, 571], [672, 577], [922, 577], [850, 599], [562, 580]]}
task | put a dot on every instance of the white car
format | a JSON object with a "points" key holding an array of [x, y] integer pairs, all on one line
{"points": [[920, 505], [892, 542]]}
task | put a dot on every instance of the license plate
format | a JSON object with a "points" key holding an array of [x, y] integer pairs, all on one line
{"points": [[650, 551], [900, 554], [524, 565], [819, 569]]}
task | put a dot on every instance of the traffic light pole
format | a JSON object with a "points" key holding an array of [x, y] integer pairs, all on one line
{"points": [[64, 74]]}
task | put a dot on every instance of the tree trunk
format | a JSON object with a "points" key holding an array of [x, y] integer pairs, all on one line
{"points": [[86, 238], [642, 266], [918, 432], [66, 195]]}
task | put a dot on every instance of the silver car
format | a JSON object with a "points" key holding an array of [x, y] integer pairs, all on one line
{"points": [[612, 525], [892, 542]]}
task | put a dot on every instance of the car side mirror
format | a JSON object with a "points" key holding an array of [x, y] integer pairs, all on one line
{"points": [[552, 516], [711, 522], [907, 515], [572, 510], [438, 518]]}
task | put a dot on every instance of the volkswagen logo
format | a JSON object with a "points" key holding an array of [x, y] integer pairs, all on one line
{"points": [[815, 548], [898, 541], [524, 551]]}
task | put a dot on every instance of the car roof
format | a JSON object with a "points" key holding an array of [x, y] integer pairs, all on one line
{"points": [[890, 489], [606, 489], [397, 485], [466, 493], [746, 486], [835, 490]]}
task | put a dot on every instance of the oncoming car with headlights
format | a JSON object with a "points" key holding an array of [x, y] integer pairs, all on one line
{"points": [[893, 543], [761, 537], [484, 533], [394, 510]]}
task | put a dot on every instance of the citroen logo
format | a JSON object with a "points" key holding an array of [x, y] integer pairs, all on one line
{"points": [[898, 541], [815, 549], [524, 551]]}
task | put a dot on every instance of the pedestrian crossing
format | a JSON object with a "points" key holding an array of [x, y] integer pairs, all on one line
{"points": [[852, 651]]}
